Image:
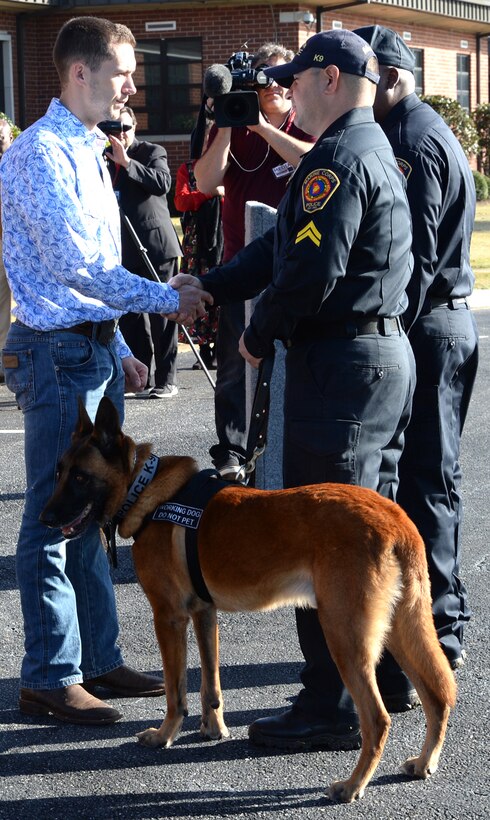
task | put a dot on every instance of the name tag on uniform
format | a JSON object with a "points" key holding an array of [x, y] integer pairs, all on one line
{"points": [[283, 170]]}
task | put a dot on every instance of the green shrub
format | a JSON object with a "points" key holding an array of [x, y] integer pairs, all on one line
{"points": [[15, 128], [481, 116], [481, 186]]}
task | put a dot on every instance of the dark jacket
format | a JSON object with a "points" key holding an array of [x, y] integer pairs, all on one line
{"points": [[142, 194], [341, 247], [441, 193]]}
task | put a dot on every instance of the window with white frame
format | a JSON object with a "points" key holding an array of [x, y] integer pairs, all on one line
{"points": [[463, 80], [418, 71]]}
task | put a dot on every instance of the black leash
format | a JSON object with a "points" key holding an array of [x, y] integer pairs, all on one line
{"points": [[109, 534], [259, 418]]}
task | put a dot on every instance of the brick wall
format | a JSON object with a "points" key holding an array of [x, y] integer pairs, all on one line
{"points": [[223, 31], [440, 48]]}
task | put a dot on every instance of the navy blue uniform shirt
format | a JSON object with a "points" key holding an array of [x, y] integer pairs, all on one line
{"points": [[341, 247], [441, 192]]}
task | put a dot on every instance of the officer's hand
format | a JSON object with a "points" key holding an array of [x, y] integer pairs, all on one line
{"points": [[180, 279], [246, 355]]}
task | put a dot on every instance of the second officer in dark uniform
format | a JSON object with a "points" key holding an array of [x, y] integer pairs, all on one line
{"points": [[333, 275], [441, 326]]}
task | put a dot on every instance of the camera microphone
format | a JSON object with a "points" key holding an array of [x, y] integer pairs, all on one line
{"points": [[217, 80]]}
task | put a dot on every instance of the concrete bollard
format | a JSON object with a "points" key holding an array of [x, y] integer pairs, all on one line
{"points": [[268, 470]]}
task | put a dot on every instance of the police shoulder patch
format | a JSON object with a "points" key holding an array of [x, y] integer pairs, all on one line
{"points": [[404, 167], [317, 189]]}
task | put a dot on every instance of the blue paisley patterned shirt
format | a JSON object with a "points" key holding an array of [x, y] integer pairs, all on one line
{"points": [[61, 231]]}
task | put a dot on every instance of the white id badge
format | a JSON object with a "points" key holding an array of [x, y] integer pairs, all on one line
{"points": [[283, 170]]}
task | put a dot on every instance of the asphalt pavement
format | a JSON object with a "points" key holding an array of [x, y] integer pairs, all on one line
{"points": [[56, 771]]}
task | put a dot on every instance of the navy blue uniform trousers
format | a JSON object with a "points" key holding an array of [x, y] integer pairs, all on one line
{"points": [[445, 345], [347, 402]]}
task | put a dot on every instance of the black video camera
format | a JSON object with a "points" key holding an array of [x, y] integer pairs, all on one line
{"points": [[113, 128], [243, 75], [240, 106]]}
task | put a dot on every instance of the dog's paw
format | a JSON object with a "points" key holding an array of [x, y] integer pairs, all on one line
{"points": [[153, 738], [342, 791], [416, 767], [214, 731]]}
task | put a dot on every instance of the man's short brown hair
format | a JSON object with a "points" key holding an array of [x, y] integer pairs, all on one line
{"points": [[90, 40]]}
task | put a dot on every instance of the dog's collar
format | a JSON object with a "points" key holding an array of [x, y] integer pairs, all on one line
{"points": [[144, 477], [140, 483]]}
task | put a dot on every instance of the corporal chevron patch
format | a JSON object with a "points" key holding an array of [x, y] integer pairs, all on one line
{"points": [[310, 231], [317, 189]]}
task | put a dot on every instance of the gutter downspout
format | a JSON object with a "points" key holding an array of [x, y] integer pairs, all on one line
{"points": [[21, 74], [479, 38]]}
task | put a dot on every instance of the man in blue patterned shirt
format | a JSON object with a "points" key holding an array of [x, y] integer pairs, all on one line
{"points": [[62, 256]]}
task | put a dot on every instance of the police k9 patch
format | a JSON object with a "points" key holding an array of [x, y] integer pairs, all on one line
{"points": [[317, 189]]}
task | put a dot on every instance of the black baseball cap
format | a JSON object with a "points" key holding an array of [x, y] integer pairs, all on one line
{"points": [[339, 47], [389, 47]]}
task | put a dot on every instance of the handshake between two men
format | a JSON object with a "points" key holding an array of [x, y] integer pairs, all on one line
{"points": [[192, 299], [192, 305]]}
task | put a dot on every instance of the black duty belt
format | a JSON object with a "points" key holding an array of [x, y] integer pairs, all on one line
{"points": [[385, 326], [102, 332], [447, 301]]}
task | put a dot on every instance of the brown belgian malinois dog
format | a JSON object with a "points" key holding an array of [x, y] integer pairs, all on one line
{"points": [[345, 550]]}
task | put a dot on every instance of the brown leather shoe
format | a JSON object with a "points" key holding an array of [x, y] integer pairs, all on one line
{"points": [[73, 704], [124, 682]]}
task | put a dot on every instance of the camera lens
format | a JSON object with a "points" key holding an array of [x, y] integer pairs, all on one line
{"points": [[236, 107]]}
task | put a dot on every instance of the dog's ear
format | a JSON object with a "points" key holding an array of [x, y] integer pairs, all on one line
{"points": [[84, 424], [107, 427]]}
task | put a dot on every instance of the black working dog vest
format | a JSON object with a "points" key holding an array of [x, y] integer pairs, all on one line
{"points": [[186, 509]]}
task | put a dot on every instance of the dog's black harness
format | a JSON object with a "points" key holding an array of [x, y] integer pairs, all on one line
{"points": [[185, 509]]}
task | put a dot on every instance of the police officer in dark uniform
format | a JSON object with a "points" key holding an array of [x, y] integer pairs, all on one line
{"points": [[340, 262], [441, 326]]}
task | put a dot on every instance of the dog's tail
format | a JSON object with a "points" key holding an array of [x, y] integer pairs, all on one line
{"points": [[414, 637]]}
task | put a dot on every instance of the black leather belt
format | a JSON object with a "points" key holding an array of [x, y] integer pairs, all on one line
{"points": [[445, 301], [385, 326], [102, 332]]}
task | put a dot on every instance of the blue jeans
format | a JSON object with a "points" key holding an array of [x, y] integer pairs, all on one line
{"points": [[66, 592]]}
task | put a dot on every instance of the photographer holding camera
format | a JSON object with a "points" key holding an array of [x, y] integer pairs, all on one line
{"points": [[141, 179], [252, 162]]}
